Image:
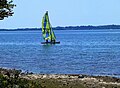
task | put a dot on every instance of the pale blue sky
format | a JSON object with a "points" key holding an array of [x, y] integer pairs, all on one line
{"points": [[28, 13]]}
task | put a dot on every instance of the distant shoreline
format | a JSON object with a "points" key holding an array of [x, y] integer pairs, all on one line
{"points": [[89, 27]]}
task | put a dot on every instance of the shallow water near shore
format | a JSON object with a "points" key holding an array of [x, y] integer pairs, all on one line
{"points": [[92, 52]]}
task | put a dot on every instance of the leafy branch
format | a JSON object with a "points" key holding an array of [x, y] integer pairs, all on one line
{"points": [[6, 8]]}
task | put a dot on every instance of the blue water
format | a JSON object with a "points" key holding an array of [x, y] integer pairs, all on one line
{"points": [[93, 52]]}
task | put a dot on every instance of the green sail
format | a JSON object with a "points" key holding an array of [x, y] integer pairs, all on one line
{"points": [[53, 37], [47, 31]]}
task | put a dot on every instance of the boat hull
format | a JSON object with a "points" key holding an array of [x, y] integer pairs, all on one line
{"points": [[50, 42]]}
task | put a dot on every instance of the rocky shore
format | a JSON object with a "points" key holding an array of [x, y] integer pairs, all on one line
{"points": [[11, 78]]}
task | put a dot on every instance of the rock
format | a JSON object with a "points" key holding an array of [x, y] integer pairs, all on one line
{"points": [[80, 76]]}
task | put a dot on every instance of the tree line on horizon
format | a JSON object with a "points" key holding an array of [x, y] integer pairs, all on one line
{"points": [[89, 27]]}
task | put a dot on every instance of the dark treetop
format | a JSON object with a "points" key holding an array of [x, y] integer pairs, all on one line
{"points": [[6, 8]]}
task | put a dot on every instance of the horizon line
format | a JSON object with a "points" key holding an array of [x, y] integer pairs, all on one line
{"points": [[61, 26]]}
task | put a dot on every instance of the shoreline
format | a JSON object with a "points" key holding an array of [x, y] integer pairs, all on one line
{"points": [[82, 27], [63, 80]]}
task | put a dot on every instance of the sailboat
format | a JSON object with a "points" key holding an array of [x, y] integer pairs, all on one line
{"points": [[47, 31]]}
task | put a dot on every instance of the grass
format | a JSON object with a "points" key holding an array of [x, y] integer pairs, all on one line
{"points": [[13, 79], [10, 82]]}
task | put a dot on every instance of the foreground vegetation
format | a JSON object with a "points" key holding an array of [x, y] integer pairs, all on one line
{"points": [[11, 78]]}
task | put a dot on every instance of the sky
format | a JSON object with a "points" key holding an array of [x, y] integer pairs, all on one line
{"points": [[29, 13]]}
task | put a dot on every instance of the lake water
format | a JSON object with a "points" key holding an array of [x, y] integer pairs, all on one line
{"points": [[93, 52]]}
